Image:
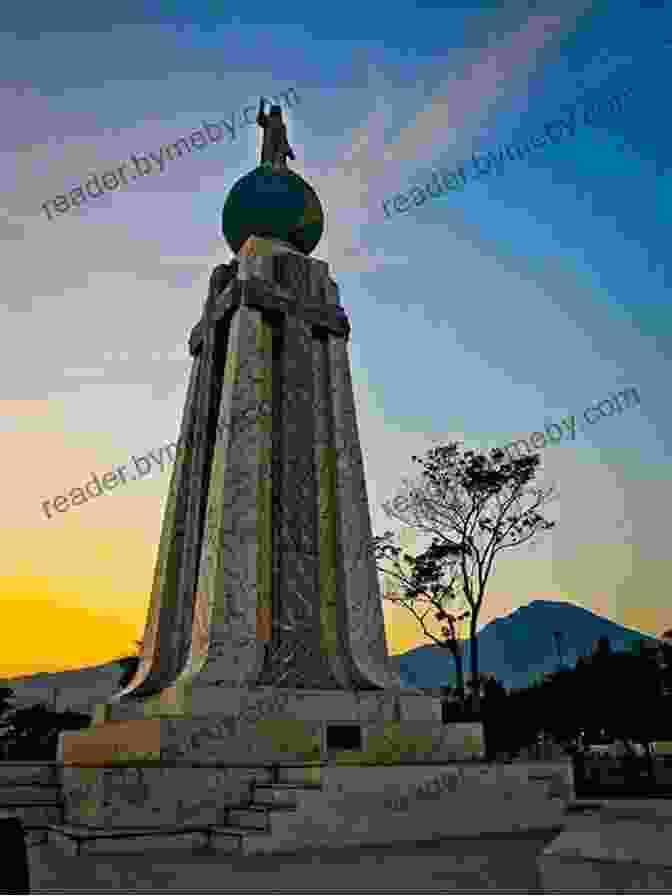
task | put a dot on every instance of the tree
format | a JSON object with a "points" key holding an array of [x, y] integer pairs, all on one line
{"points": [[643, 709], [423, 589], [7, 697], [474, 507], [33, 731], [602, 648], [665, 642], [618, 694], [495, 718]]}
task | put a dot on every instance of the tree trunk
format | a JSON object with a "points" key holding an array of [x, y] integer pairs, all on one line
{"points": [[459, 672], [650, 767], [454, 647], [473, 643]]}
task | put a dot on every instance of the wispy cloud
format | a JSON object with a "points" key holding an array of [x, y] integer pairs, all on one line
{"points": [[453, 117]]}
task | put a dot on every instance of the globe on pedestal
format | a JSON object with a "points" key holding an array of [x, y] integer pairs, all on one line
{"points": [[274, 204]]}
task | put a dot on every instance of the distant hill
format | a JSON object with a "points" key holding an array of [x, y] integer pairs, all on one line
{"points": [[77, 689], [515, 648], [519, 647]]}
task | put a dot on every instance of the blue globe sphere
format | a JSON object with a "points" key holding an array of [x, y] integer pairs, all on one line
{"points": [[274, 204]]}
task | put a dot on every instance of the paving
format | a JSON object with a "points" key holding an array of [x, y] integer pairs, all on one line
{"points": [[503, 863], [621, 848]]}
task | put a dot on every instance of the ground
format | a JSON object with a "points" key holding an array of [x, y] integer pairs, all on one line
{"points": [[503, 863]]}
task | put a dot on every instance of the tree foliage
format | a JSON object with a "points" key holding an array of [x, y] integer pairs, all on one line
{"points": [[428, 590], [32, 731], [609, 695], [7, 698]]}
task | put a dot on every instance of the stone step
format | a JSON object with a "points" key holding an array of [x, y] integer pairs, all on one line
{"points": [[28, 787], [259, 817], [650, 810], [255, 814], [29, 792], [239, 827], [244, 844], [282, 787], [269, 798], [24, 803], [578, 807], [275, 806], [139, 837], [30, 809]]}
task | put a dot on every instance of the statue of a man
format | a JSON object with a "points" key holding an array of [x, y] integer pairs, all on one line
{"points": [[275, 148]]}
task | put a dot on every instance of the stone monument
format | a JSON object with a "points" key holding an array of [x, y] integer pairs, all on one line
{"points": [[265, 637]]}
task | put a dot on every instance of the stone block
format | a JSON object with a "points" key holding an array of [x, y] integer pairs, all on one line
{"points": [[558, 775], [275, 726], [256, 260], [267, 702], [417, 707], [388, 804], [121, 797], [25, 774], [102, 744]]}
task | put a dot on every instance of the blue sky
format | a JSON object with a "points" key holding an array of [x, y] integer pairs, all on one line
{"points": [[479, 316]]}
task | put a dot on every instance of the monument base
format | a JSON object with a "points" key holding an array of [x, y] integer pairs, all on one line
{"points": [[272, 725], [349, 783], [333, 805], [188, 699], [255, 727]]}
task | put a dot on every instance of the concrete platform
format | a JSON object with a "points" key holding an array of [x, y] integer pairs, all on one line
{"points": [[336, 804], [624, 847], [500, 863], [360, 806]]}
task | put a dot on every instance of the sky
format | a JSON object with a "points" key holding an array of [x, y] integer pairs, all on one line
{"points": [[481, 315]]}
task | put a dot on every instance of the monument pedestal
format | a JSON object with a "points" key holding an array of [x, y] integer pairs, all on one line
{"points": [[264, 725], [187, 759]]}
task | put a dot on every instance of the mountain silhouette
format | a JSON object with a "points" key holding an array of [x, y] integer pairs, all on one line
{"points": [[521, 647], [515, 649], [76, 689]]}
